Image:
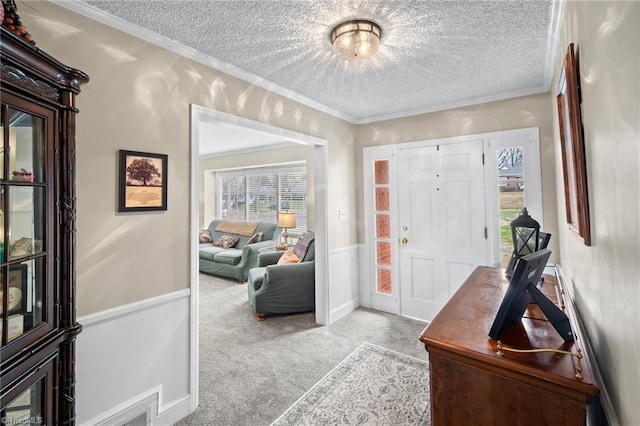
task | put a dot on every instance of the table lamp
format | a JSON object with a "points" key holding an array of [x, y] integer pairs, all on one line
{"points": [[286, 220]]}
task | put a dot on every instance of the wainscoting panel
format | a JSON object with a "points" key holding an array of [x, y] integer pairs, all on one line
{"points": [[344, 288], [132, 354]]}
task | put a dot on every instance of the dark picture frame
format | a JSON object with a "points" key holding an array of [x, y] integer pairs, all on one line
{"points": [[17, 281], [573, 150], [142, 181]]}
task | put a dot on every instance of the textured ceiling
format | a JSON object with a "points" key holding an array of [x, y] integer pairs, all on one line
{"points": [[433, 54]]}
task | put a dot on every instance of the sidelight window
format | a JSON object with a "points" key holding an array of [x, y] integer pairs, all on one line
{"points": [[382, 227]]}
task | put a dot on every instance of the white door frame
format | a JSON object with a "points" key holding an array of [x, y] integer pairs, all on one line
{"points": [[199, 114], [491, 141]]}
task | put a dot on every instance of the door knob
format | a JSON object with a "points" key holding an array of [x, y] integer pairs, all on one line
{"points": [[405, 241]]}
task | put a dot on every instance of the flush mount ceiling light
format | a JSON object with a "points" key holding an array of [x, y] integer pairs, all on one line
{"points": [[356, 39]]}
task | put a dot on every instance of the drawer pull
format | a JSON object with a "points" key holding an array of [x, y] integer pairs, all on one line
{"points": [[577, 354]]}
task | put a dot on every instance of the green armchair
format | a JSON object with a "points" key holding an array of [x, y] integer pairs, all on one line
{"points": [[284, 289]]}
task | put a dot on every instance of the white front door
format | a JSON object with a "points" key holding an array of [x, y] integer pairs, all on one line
{"points": [[441, 220]]}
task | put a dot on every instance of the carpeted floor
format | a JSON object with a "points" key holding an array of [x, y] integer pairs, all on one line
{"points": [[252, 371]]}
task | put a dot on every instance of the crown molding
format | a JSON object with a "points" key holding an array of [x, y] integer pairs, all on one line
{"points": [[557, 12], [105, 18], [136, 31], [461, 104]]}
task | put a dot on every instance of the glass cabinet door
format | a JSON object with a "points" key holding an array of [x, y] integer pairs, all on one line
{"points": [[23, 221], [27, 407], [29, 401]]}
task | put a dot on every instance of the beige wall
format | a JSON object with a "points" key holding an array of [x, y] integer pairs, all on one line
{"points": [[528, 111], [138, 98], [606, 276], [260, 158]]}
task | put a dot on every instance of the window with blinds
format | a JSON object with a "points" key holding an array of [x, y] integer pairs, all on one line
{"points": [[260, 194], [231, 197]]}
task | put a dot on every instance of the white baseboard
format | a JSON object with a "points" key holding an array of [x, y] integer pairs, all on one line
{"points": [[145, 402], [174, 412], [344, 309]]}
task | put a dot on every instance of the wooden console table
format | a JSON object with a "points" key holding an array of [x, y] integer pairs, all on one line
{"points": [[472, 385]]}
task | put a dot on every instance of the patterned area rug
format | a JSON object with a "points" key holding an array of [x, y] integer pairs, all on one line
{"points": [[372, 386]]}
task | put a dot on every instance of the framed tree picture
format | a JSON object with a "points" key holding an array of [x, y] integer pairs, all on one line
{"points": [[142, 181], [573, 151]]}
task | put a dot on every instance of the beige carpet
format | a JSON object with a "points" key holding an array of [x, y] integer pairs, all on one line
{"points": [[252, 371]]}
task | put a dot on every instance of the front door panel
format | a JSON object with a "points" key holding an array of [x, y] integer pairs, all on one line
{"points": [[442, 223]]}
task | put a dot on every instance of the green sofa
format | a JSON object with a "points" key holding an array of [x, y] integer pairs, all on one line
{"points": [[234, 262], [283, 289]]}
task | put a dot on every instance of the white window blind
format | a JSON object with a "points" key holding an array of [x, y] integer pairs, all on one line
{"points": [[232, 197], [263, 197], [293, 198], [259, 194]]}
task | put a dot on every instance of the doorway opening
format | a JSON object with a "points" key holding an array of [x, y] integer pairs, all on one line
{"points": [[200, 116]]}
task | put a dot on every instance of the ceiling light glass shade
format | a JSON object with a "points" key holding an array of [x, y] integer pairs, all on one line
{"points": [[356, 39]]}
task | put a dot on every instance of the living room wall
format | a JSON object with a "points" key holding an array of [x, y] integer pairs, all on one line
{"points": [[605, 276]]}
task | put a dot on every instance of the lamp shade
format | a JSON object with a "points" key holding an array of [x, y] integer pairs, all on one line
{"points": [[287, 220]]}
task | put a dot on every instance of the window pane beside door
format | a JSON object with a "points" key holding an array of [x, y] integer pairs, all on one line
{"points": [[382, 199], [511, 187], [381, 172], [383, 227], [383, 280]]}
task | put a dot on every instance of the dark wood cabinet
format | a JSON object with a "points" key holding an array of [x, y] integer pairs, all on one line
{"points": [[37, 232], [471, 384]]}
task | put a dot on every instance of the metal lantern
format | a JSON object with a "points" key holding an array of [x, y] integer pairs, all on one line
{"points": [[525, 232]]}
